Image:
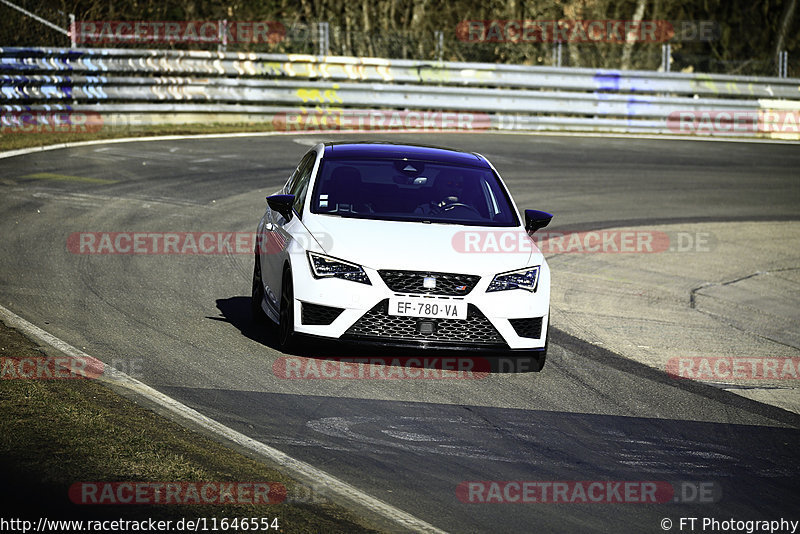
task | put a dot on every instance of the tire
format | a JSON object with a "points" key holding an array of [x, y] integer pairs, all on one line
{"points": [[257, 295], [286, 336], [542, 358], [528, 362]]}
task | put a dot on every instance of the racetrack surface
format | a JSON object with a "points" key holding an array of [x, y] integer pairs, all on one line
{"points": [[180, 323]]}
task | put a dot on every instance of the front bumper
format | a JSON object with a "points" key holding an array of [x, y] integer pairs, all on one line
{"points": [[514, 320]]}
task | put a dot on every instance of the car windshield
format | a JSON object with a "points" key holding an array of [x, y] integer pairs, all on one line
{"points": [[406, 190]]}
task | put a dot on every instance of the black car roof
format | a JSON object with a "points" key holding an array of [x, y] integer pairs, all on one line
{"points": [[386, 150]]}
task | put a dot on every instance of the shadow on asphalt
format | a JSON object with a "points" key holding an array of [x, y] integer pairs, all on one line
{"points": [[236, 311]]}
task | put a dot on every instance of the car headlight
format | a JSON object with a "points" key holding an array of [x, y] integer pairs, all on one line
{"points": [[327, 267], [527, 279]]}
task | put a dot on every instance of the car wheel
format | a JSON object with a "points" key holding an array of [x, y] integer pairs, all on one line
{"points": [[542, 357], [286, 336], [531, 362], [525, 364], [257, 298]]}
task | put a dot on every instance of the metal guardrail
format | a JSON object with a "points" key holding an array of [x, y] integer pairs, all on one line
{"points": [[186, 63], [156, 83]]}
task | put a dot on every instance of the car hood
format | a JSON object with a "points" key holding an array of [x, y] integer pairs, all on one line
{"points": [[425, 247]]}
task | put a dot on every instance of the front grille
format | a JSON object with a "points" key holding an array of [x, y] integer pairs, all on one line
{"points": [[529, 327], [446, 283], [475, 330], [316, 314]]}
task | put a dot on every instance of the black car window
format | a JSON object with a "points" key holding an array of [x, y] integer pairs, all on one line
{"points": [[298, 185], [408, 190]]}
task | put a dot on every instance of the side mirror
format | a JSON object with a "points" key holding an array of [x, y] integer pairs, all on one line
{"points": [[536, 220], [282, 204]]}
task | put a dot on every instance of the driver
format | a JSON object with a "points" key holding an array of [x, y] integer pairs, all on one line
{"points": [[448, 189]]}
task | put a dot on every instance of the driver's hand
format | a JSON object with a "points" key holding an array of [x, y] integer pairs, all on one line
{"points": [[448, 200]]}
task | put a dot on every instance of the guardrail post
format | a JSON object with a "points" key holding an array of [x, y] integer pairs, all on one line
{"points": [[666, 56], [324, 38], [783, 64], [557, 54], [72, 28], [222, 35], [439, 36], [786, 64]]}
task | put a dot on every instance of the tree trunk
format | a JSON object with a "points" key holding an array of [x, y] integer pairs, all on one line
{"points": [[417, 23], [365, 6], [783, 28], [628, 47]]}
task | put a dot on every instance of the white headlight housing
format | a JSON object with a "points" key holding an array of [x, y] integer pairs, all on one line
{"points": [[527, 279]]}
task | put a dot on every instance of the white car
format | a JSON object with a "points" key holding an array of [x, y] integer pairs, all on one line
{"points": [[402, 245]]}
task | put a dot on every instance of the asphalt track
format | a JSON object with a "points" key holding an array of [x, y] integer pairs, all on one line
{"points": [[180, 323]]}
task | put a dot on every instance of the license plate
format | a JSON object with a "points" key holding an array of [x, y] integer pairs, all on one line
{"points": [[431, 308]]}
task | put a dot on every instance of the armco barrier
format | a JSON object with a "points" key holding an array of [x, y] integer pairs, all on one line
{"points": [[169, 86]]}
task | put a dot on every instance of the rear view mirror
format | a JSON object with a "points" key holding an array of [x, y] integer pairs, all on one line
{"points": [[282, 204], [536, 220]]}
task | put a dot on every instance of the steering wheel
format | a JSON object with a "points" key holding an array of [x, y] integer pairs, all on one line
{"points": [[454, 205]]}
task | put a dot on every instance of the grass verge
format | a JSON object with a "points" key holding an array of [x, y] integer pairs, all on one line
{"points": [[54, 433], [15, 141]]}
